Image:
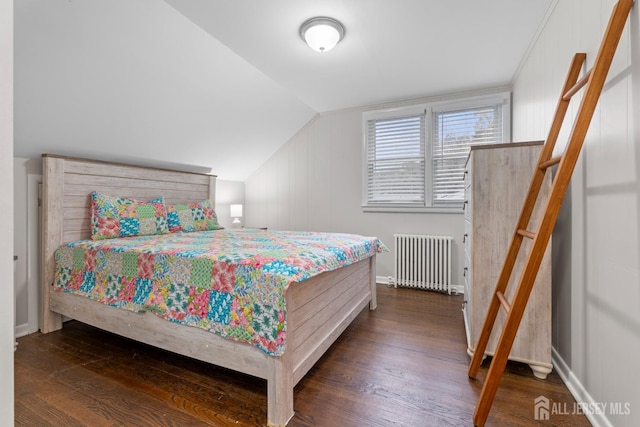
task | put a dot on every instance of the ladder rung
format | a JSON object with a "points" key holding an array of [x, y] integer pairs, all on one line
{"points": [[503, 301], [552, 161], [526, 233], [576, 87]]}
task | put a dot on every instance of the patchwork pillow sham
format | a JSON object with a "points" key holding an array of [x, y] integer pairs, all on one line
{"points": [[197, 216], [113, 217]]}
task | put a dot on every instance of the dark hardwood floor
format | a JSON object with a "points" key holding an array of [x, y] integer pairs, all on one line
{"points": [[404, 364]]}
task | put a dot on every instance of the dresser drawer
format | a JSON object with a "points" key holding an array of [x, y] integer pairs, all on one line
{"points": [[467, 176], [467, 278], [467, 206], [467, 236]]}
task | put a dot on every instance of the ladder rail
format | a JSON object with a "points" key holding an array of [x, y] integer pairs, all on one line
{"points": [[594, 82]]}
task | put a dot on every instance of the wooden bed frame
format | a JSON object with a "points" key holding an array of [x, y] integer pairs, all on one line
{"points": [[318, 309]]}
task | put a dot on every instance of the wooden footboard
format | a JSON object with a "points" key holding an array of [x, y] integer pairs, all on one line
{"points": [[318, 309]]}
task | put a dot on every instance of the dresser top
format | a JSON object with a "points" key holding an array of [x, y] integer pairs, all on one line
{"points": [[505, 145]]}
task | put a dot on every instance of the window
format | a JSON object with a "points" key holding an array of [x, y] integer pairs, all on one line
{"points": [[415, 157], [396, 160]]}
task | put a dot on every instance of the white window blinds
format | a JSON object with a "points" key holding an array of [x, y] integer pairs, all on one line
{"points": [[396, 160], [414, 156], [452, 134]]}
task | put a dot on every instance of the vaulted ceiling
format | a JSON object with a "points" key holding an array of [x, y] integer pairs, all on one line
{"points": [[220, 85]]}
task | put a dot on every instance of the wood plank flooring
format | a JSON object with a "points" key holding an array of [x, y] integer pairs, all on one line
{"points": [[404, 364]]}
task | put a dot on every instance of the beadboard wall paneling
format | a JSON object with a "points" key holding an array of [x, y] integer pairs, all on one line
{"points": [[596, 268]]}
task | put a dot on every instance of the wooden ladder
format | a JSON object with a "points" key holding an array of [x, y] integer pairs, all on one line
{"points": [[594, 80]]}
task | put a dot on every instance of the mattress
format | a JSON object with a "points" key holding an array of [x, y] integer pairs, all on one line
{"points": [[230, 282]]}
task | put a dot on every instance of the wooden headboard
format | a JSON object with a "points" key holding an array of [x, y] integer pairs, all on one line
{"points": [[66, 194]]}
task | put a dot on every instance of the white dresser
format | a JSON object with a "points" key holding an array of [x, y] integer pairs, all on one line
{"points": [[497, 179]]}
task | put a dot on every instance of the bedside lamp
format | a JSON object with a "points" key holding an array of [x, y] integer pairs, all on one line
{"points": [[236, 214]]}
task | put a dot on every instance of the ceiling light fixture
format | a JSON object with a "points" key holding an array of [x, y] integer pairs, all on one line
{"points": [[322, 33]]}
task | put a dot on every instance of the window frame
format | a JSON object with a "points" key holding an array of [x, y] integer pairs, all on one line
{"points": [[429, 108]]}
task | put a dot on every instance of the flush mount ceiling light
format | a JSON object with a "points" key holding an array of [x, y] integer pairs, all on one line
{"points": [[322, 33]]}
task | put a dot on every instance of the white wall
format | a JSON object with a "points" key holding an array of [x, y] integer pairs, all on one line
{"points": [[20, 238], [6, 213], [228, 193], [314, 183], [27, 173], [596, 283]]}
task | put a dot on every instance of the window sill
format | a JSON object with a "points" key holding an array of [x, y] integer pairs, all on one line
{"points": [[457, 209]]}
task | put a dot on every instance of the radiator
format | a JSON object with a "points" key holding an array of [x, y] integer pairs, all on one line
{"points": [[423, 262]]}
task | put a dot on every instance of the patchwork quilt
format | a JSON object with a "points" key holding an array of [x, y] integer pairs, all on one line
{"points": [[230, 282]]}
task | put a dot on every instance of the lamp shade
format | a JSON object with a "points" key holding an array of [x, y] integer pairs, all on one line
{"points": [[322, 33], [236, 211]]}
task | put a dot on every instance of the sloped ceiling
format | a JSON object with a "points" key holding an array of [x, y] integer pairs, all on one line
{"points": [[220, 85]]}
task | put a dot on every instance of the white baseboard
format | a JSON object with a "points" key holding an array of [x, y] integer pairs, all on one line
{"points": [[457, 289], [388, 281], [578, 391], [382, 280], [22, 330]]}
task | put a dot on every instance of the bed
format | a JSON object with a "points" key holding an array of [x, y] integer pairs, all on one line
{"points": [[318, 309]]}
